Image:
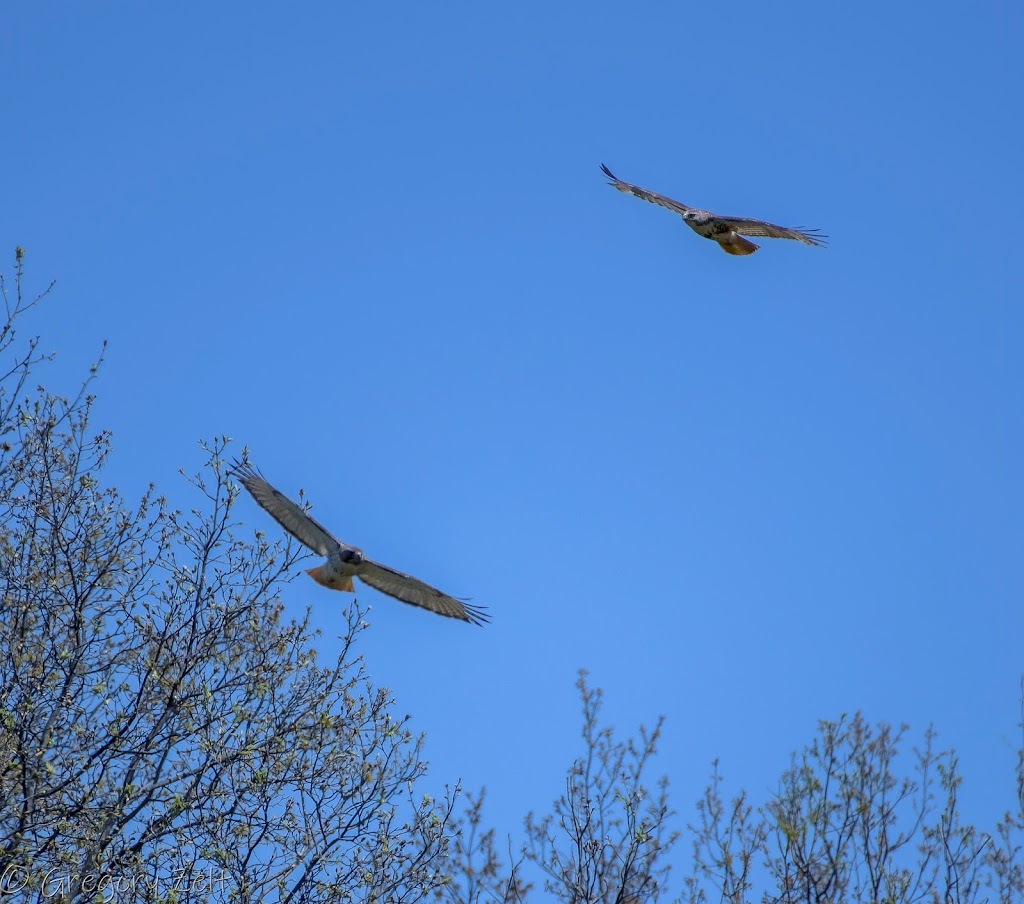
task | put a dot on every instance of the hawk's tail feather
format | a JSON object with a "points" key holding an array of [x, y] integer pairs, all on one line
{"points": [[736, 244], [317, 574]]}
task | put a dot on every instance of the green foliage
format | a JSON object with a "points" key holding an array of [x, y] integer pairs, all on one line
{"points": [[851, 822], [854, 819], [167, 736], [605, 840], [164, 728]]}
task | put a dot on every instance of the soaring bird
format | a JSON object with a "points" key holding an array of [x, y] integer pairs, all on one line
{"points": [[345, 562], [727, 231]]}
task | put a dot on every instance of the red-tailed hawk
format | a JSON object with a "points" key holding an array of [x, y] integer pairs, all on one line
{"points": [[727, 231], [345, 562]]}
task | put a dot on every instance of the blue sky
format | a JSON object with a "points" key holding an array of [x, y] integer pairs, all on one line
{"points": [[372, 242]]}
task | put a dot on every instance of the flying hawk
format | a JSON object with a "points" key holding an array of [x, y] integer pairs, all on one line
{"points": [[727, 231], [345, 562]]}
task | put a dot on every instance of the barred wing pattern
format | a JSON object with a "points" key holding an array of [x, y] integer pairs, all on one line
{"points": [[748, 226], [408, 589], [291, 516], [644, 194], [727, 231], [345, 562]]}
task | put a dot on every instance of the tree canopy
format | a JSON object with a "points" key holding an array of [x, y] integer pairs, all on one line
{"points": [[167, 735]]}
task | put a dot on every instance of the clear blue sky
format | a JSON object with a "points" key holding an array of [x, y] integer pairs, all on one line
{"points": [[371, 241]]}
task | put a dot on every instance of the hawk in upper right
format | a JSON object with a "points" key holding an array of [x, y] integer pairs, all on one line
{"points": [[727, 231]]}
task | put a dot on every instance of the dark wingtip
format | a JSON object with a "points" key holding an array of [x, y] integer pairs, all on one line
{"points": [[477, 615], [241, 470], [609, 174], [816, 236]]}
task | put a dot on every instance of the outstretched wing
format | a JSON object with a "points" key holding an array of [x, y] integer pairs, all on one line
{"points": [[643, 193], [748, 226], [408, 589], [288, 514]]}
